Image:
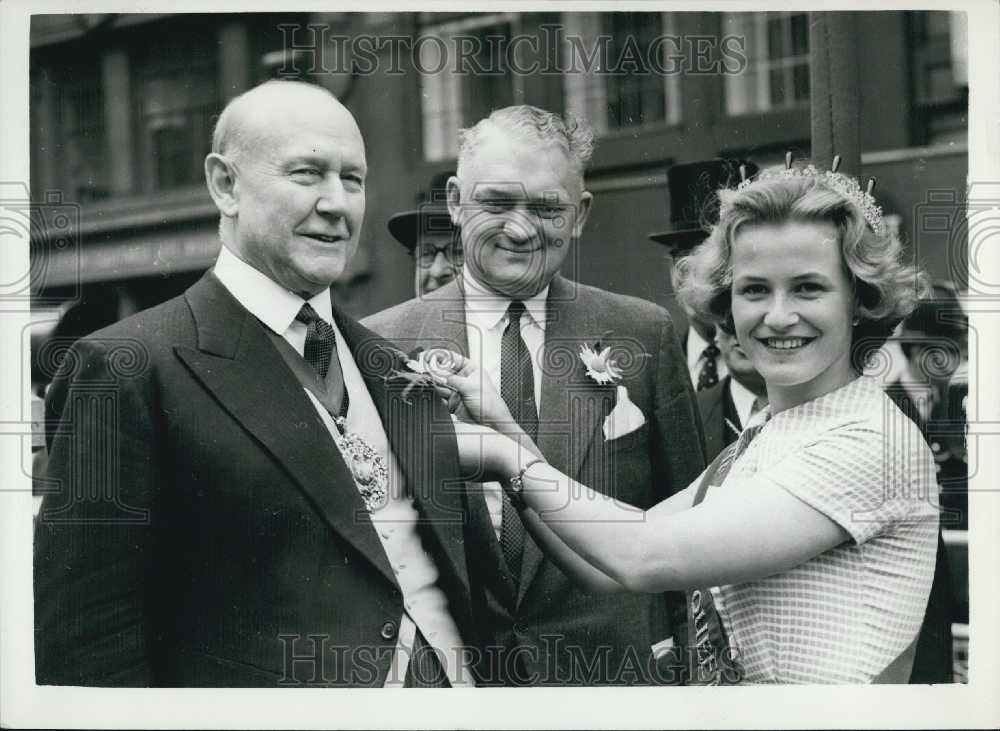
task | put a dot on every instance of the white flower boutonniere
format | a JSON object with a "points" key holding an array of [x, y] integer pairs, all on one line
{"points": [[625, 417], [600, 365], [433, 362]]}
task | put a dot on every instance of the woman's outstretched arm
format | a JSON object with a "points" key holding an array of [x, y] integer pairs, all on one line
{"points": [[735, 536], [477, 443]]}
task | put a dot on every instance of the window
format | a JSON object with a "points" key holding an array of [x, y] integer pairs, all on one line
{"points": [[940, 67], [83, 129], [610, 79], [464, 79], [777, 51], [177, 95]]}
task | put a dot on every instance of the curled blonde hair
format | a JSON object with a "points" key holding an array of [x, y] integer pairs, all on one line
{"points": [[886, 289]]}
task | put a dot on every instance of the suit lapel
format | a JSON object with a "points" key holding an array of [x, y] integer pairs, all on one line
{"points": [[419, 431], [713, 418], [573, 405], [731, 425], [239, 365]]}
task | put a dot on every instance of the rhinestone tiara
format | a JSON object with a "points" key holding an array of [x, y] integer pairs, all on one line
{"points": [[843, 184]]}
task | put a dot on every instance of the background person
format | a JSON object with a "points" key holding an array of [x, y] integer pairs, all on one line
{"points": [[693, 209], [931, 390], [430, 238], [810, 592], [729, 405]]}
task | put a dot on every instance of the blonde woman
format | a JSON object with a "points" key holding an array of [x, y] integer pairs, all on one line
{"points": [[808, 549]]}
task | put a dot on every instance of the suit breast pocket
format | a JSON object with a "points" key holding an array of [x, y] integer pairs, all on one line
{"points": [[628, 442]]}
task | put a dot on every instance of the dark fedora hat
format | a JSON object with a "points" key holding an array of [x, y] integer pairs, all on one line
{"points": [[430, 217], [693, 201]]}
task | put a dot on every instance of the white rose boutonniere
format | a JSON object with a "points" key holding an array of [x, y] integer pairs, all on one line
{"points": [[434, 362]]}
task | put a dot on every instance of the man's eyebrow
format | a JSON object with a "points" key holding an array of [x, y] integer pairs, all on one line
{"points": [[299, 158], [487, 191], [516, 193]]}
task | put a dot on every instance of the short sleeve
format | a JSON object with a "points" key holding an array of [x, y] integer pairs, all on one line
{"points": [[865, 479]]}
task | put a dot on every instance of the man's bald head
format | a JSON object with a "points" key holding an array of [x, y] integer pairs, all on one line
{"points": [[287, 173], [244, 121]]}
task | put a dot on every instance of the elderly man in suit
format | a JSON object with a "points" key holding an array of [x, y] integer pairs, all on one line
{"points": [[631, 431], [234, 504]]}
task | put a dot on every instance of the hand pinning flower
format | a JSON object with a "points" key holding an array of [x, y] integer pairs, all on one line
{"points": [[425, 369], [600, 365], [434, 362]]}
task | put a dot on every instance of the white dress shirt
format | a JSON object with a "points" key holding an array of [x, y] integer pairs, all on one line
{"points": [[694, 351], [425, 604], [485, 321], [743, 400]]}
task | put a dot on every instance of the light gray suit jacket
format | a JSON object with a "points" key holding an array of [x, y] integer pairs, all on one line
{"points": [[573, 637]]}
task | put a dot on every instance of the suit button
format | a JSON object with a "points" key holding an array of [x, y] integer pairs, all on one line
{"points": [[388, 631]]}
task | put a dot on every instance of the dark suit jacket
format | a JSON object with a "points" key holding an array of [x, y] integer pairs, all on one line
{"points": [[568, 636], [718, 418], [932, 662], [206, 531]]}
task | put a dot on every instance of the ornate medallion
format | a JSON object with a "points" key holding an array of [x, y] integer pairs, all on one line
{"points": [[368, 469]]}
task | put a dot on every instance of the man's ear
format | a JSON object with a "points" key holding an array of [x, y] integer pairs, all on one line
{"points": [[454, 200], [582, 213], [220, 176]]}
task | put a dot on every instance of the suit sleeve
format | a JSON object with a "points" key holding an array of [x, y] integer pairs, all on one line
{"points": [[678, 439], [93, 536]]}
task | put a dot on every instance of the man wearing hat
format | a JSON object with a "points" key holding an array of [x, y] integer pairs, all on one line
{"points": [[693, 203], [429, 236], [934, 340]]}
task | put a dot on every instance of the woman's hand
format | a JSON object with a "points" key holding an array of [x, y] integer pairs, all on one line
{"points": [[481, 403]]}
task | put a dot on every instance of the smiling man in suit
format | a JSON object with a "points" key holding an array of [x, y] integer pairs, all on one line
{"points": [[233, 504], [519, 201]]}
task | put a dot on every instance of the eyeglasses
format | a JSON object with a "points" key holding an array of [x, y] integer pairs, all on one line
{"points": [[427, 252]]}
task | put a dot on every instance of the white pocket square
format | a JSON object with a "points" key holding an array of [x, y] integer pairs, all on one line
{"points": [[624, 419]]}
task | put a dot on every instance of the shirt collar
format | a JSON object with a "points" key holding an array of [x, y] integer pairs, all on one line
{"points": [[485, 309], [695, 347], [743, 400], [267, 300]]}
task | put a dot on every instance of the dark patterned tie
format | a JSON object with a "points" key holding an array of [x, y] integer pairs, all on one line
{"points": [[709, 374], [321, 354], [517, 388]]}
